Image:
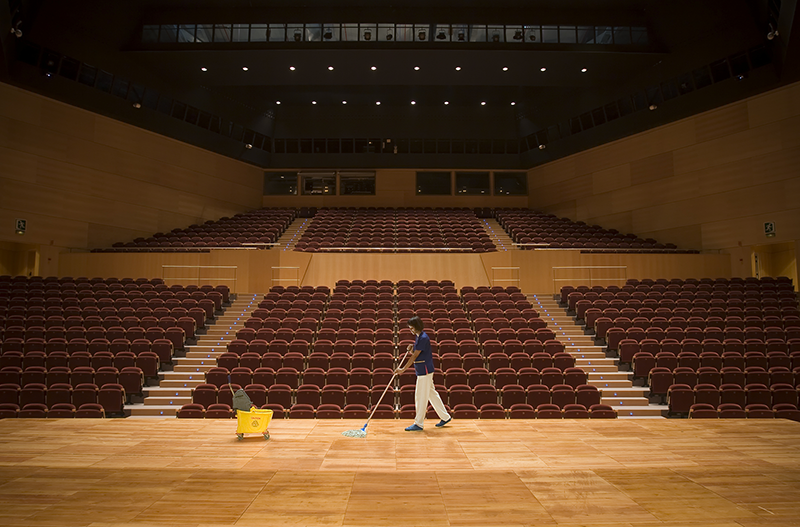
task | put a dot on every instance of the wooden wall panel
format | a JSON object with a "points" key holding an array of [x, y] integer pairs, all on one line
{"points": [[707, 182], [83, 180]]}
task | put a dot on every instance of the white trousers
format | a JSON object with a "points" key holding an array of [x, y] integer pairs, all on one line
{"points": [[426, 391]]}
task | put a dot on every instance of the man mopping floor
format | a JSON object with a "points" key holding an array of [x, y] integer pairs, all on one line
{"points": [[422, 359]]}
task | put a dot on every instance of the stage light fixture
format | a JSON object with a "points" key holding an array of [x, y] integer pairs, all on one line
{"points": [[377, 103], [543, 69], [513, 103], [373, 68], [653, 107], [542, 147], [446, 103], [248, 146], [458, 68], [496, 36], [137, 105], [368, 34], [422, 35], [441, 35], [483, 103], [292, 68], [505, 68], [461, 35], [328, 34], [416, 68], [389, 35], [313, 102], [245, 68], [584, 70], [413, 102], [518, 34], [277, 102], [203, 69], [344, 102], [330, 68], [298, 35], [772, 32]]}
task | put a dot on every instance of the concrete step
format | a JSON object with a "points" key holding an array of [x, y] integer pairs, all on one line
{"points": [[182, 383], [633, 392], [162, 410], [624, 401], [167, 401], [161, 391], [196, 368], [611, 384], [652, 410], [193, 362]]}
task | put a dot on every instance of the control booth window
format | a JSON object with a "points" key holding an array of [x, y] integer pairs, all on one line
{"points": [[433, 184], [357, 183], [317, 184], [280, 184], [510, 184], [472, 183]]}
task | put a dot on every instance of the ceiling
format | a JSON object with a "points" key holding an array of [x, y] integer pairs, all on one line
{"points": [[683, 36]]}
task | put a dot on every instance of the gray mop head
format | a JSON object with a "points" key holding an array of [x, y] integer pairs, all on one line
{"points": [[360, 433]]}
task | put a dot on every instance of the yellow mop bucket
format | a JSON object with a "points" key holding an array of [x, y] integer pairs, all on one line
{"points": [[255, 421]]}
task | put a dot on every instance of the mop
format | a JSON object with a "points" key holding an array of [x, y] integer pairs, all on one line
{"points": [[362, 432]]}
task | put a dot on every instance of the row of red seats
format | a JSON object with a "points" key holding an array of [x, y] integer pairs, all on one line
{"points": [[15, 350], [710, 350], [110, 396], [136, 373], [712, 327], [278, 394], [660, 379], [57, 411], [756, 337], [292, 377], [644, 361], [681, 397], [673, 300], [358, 411], [751, 411]]}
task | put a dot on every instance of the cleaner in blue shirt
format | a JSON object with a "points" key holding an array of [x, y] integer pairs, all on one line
{"points": [[422, 359]]}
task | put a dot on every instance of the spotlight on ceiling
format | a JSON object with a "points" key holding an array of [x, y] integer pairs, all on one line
{"points": [[505, 68], [458, 68], [461, 35], [330, 68], [298, 35], [245, 68], [137, 105], [203, 69], [441, 35], [413, 102], [584, 70], [422, 34], [542, 147], [653, 107], [518, 34], [389, 35], [446, 103], [313, 102], [496, 36], [373, 68], [543, 69], [532, 37], [344, 102], [248, 146], [483, 103], [513, 103], [16, 29], [277, 102], [328, 34], [377, 103], [416, 68], [292, 68], [367, 34], [772, 32]]}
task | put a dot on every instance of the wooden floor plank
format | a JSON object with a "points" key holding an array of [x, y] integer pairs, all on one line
{"points": [[195, 473]]}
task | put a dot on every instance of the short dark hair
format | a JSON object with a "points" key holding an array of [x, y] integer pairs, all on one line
{"points": [[416, 323]]}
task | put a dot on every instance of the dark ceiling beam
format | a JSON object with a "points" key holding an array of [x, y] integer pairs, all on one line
{"points": [[789, 29], [6, 38]]}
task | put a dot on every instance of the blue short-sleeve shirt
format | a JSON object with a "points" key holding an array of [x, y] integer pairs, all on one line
{"points": [[423, 364]]}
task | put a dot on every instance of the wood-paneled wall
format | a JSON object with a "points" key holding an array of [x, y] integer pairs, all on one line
{"points": [[396, 188], [708, 182], [84, 181], [255, 274]]}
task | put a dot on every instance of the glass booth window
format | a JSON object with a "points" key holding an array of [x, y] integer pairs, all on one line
{"points": [[472, 183], [433, 184], [357, 183], [280, 184], [510, 184], [319, 184]]}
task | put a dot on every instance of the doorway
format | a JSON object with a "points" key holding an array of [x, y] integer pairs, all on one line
{"points": [[19, 259], [778, 259]]}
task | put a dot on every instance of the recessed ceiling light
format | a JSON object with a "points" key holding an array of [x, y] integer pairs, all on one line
{"points": [[416, 68], [543, 69], [377, 103], [313, 102], [373, 68], [203, 69], [458, 68], [277, 102], [446, 103], [513, 103], [344, 102], [483, 103], [330, 68], [413, 102], [583, 70], [244, 68], [505, 68], [292, 68]]}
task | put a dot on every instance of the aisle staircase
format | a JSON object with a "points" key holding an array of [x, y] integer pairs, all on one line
{"points": [[499, 237], [292, 234], [175, 388], [615, 386]]}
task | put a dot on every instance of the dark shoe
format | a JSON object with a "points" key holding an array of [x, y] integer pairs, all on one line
{"points": [[443, 422], [414, 428]]}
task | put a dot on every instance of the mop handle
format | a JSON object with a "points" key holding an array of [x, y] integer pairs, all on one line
{"points": [[385, 389]]}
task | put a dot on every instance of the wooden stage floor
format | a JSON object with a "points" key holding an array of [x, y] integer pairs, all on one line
{"points": [[140, 472]]}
